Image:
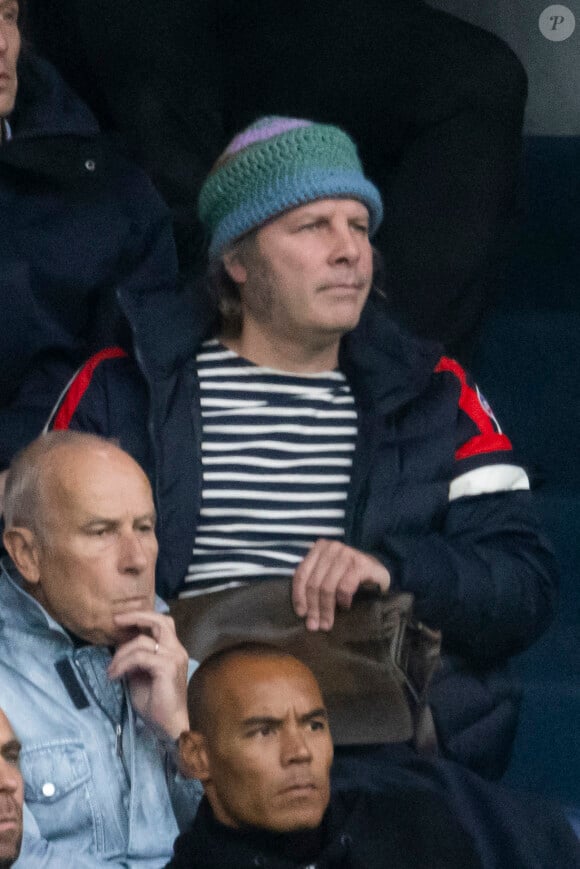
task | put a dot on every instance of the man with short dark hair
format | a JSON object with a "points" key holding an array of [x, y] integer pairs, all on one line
{"points": [[91, 672], [298, 434], [11, 795], [261, 745]]}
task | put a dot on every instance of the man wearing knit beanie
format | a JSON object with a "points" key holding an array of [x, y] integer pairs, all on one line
{"points": [[297, 434]]}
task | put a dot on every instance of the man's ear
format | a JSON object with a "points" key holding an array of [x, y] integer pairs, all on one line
{"points": [[234, 266], [22, 547], [193, 756]]}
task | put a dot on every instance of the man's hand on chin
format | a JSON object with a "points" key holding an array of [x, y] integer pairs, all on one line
{"points": [[329, 576], [155, 665]]}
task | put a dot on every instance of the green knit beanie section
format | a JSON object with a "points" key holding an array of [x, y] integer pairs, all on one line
{"points": [[277, 164]]}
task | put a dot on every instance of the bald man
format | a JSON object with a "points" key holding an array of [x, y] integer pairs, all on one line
{"points": [[11, 795], [93, 677], [261, 746]]}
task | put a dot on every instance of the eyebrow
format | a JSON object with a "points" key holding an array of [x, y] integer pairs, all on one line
{"points": [[111, 523], [311, 213], [258, 720]]}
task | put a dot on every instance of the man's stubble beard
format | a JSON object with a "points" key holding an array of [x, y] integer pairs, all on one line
{"points": [[6, 861]]}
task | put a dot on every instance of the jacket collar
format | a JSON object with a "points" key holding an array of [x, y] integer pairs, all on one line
{"points": [[45, 105], [19, 608], [168, 325], [212, 845], [386, 366], [5, 131]]}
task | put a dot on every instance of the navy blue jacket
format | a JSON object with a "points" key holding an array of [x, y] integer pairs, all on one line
{"points": [[426, 815], [434, 493], [78, 220], [401, 829]]}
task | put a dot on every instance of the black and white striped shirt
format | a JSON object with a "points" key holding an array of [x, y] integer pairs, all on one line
{"points": [[276, 453]]}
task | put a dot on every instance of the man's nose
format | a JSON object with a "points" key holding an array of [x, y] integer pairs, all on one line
{"points": [[345, 244], [9, 777], [3, 38], [132, 554], [295, 746]]}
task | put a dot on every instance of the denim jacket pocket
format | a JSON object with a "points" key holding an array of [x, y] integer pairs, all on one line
{"points": [[58, 792]]}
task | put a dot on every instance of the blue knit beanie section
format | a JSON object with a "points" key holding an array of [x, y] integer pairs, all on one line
{"points": [[277, 164]]}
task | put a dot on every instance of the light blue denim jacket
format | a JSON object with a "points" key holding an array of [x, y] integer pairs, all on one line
{"points": [[100, 788]]}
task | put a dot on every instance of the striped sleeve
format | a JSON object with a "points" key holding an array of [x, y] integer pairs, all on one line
{"points": [[483, 454]]}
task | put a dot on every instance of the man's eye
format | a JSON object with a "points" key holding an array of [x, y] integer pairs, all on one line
{"points": [[318, 724], [13, 757], [263, 730]]}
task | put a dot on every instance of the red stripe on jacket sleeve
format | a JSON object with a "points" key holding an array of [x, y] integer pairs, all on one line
{"points": [[488, 440], [80, 384]]}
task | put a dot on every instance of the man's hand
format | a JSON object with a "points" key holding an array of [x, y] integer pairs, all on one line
{"points": [[328, 577], [155, 664]]}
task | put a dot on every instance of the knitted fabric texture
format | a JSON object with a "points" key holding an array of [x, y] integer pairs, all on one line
{"points": [[277, 164]]}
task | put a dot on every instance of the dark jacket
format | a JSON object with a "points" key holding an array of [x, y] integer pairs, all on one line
{"points": [[477, 565], [77, 221], [403, 829], [511, 829]]}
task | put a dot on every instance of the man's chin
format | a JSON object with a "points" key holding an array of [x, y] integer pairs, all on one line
{"points": [[111, 636], [297, 818], [344, 325], [9, 852], [120, 636], [296, 824]]}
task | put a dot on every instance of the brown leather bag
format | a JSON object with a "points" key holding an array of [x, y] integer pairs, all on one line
{"points": [[374, 666]]}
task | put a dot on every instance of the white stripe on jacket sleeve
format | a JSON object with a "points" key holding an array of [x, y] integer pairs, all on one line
{"points": [[487, 480]]}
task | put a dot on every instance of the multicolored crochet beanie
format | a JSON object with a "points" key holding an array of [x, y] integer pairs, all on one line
{"points": [[279, 163]]}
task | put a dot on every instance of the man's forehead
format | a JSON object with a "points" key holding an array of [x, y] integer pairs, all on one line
{"points": [[267, 686], [96, 483], [76, 468]]}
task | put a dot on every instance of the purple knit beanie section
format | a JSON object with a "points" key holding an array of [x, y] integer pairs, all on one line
{"points": [[259, 132], [274, 165]]}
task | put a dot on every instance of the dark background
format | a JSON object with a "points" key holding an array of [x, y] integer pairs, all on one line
{"points": [[553, 67]]}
